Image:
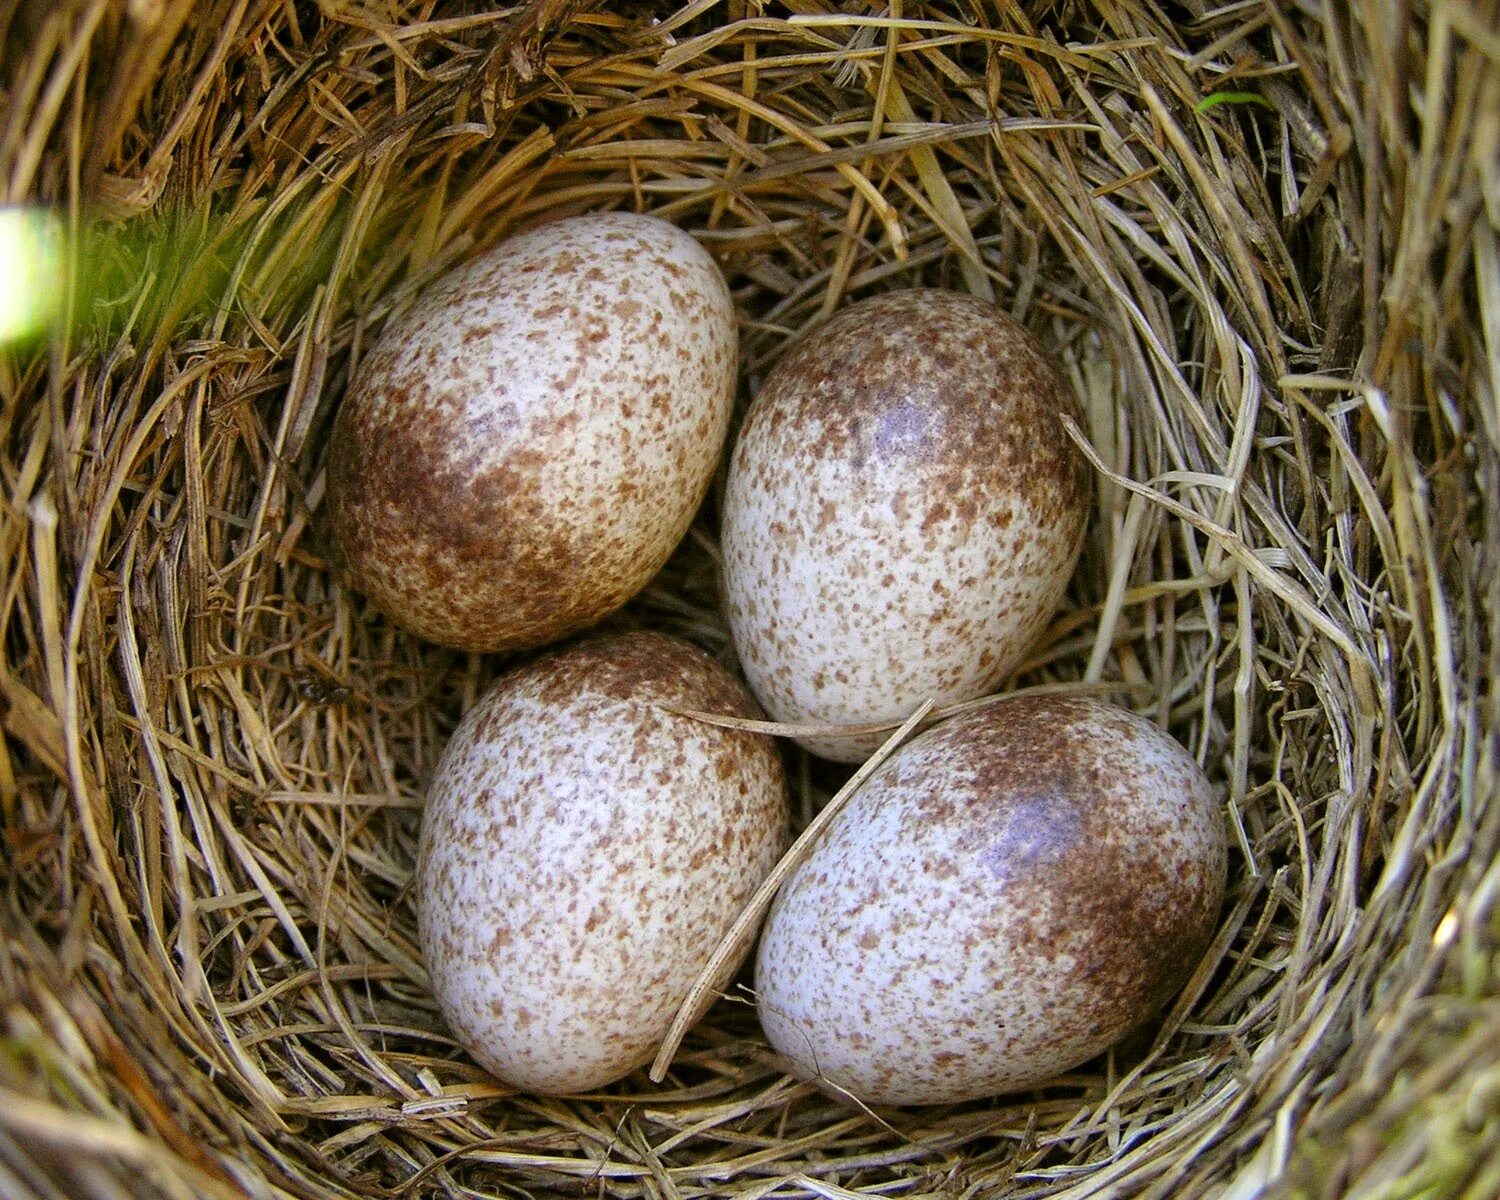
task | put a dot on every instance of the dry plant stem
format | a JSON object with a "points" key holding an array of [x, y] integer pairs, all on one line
{"points": [[796, 729], [712, 978]]}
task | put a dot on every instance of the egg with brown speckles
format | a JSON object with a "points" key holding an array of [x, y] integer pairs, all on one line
{"points": [[903, 511], [521, 451], [583, 851], [1007, 896]]}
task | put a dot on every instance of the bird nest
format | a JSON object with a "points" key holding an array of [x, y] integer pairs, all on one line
{"points": [[1261, 239]]}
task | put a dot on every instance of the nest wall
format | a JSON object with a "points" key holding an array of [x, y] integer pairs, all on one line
{"points": [[1261, 239]]}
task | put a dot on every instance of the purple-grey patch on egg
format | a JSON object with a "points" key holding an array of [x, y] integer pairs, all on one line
{"points": [[1035, 832], [907, 428]]}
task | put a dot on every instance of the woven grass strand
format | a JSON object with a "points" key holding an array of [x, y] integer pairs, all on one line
{"points": [[1281, 315], [714, 975]]}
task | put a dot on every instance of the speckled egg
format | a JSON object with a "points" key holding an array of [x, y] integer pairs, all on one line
{"points": [[1007, 895], [521, 451], [583, 852], [903, 512]]}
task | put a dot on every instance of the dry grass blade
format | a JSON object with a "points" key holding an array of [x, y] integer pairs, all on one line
{"points": [[1264, 241], [714, 975]]}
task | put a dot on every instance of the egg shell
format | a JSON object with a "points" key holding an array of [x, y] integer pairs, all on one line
{"points": [[902, 514], [1006, 897], [522, 450], [583, 852]]}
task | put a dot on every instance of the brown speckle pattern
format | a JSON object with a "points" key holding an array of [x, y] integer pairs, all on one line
{"points": [[520, 452], [583, 852], [903, 512], [1007, 896]]}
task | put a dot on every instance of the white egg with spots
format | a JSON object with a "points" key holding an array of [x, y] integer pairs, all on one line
{"points": [[902, 513], [585, 849], [522, 449], [1008, 895]]}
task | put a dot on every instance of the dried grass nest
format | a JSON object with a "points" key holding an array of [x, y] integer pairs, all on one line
{"points": [[1261, 236]]}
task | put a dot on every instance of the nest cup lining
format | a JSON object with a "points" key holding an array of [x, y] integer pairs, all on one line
{"points": [[1281, 315]]}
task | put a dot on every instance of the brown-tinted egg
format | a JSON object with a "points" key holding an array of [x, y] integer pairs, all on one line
{"points": [[1008, 895], [903, 512], [520, 452], [584, 850]]}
